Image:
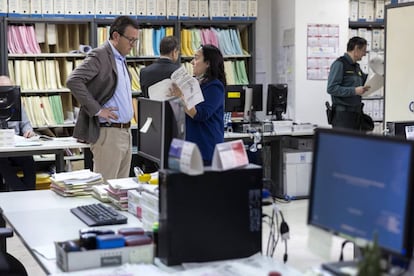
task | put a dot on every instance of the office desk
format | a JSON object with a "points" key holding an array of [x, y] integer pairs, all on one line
{"points": [[42, 217], [56, 146], [277, 141]]}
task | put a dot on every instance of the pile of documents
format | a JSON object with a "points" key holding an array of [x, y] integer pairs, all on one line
{"points": [[118, 191], [76, 183]]}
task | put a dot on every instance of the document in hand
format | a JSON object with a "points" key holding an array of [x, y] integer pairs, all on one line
{"points": [[185, 157], [375, 81], [188, 85]]}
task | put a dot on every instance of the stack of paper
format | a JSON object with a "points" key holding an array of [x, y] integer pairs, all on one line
{"points": [[118, 191], [100, 192], [76, 183]]}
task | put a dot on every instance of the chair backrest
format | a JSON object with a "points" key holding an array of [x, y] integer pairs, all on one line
{"points": [[9, 265]]}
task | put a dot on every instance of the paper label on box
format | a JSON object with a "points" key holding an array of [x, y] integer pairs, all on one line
{"points": [[229, 155]]}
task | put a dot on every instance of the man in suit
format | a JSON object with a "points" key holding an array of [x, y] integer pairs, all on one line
{"points": [[163, 67], [102, 86], [9, 165]]}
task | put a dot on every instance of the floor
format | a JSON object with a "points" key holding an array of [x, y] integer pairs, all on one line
{"points": [[306, 247]]}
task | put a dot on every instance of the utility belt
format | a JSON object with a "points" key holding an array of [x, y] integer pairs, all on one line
{"points": [[347, 108]]}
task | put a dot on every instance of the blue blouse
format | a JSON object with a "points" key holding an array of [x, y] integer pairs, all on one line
{"points": [[206, 129]]}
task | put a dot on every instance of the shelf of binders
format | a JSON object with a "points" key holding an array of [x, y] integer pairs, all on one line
{"points": [[234, 38], [41, 54], [367, 24]]}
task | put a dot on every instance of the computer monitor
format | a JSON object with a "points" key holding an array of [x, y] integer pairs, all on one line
{"points": [[158, 123], [356, 193], [10, 105], [276, 100], [246, 98], [399, 128]]}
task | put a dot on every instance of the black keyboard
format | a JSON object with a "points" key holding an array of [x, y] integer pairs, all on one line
{"points": [[98, 214]]}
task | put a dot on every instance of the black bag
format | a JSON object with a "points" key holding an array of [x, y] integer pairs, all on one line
{"points": [[329, 112], [366, 124]]}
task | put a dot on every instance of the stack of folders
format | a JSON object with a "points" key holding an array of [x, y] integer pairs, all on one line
{"points": [[149, 208], [100, 192], [76, 183], [143, 203], [118, 191]]}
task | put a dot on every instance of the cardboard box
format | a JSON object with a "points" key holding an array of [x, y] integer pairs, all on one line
{"points": [[78, 260]]}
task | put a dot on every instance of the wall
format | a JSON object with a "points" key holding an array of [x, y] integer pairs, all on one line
{"points": [[289, 19]]}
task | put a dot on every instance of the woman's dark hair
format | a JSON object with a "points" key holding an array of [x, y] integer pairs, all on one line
{"points": [[213, 55], [120, 23]]}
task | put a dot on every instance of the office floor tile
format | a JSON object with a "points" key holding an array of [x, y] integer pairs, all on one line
{"points": [[300, 254]]}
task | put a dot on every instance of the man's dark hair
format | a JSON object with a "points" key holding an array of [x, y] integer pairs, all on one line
{"points": [[356, 41], [120, 23], [168, 44], [213, 55]]}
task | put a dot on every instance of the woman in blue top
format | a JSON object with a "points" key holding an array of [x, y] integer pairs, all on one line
{"points": [[204, 122]]}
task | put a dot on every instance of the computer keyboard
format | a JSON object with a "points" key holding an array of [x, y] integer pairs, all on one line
{"points": [[98, 214]]}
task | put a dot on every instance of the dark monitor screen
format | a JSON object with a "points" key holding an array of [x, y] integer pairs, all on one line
{"points": [[10, 104], [165, 120], [276, 100], [361, 186], [399, 128], [235, 97]]}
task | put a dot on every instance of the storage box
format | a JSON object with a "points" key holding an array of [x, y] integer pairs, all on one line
{"points": [[297, 167], [78, 260]]}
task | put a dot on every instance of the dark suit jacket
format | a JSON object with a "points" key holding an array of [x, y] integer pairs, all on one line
{"points": [[158, 71], [93, 83]]}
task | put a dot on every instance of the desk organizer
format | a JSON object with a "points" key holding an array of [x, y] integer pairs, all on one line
{"points": [[78, 260]]}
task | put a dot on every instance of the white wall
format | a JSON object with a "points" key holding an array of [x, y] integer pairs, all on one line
{"points": [[263, 49], [288, 63], [310, 95]]}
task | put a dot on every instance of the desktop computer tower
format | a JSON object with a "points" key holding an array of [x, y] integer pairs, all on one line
{"points": [[208, 217]]}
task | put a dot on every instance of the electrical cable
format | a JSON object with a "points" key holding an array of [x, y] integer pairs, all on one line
{"points": [[284, 232]]}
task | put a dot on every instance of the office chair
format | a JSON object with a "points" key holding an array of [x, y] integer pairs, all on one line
{"points": [[9, 265]]}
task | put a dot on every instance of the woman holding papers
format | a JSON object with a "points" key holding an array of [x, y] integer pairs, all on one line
{"points": [[346, 85], [204, 121], [8, 165]]}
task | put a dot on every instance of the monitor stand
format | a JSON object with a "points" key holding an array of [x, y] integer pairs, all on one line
{"points": [[344, 268]]}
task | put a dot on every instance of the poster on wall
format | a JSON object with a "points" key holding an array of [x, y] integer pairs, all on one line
{"points": [[322, 50]]}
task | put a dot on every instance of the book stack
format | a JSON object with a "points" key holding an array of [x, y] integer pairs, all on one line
{"points": [[76, 183], [149, 208], [118, 191]]}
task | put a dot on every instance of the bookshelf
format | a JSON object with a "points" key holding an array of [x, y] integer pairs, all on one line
{"points": [[41, 53], [239, 57], [70, 33]]}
